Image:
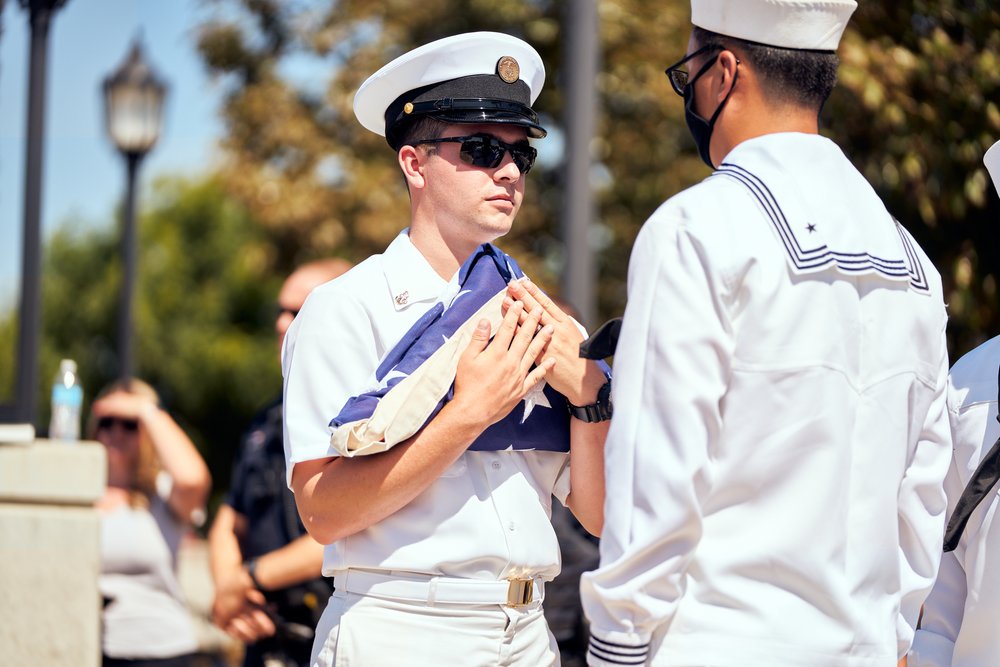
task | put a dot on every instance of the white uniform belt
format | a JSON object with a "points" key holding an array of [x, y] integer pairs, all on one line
{"points": [[514, 592]]}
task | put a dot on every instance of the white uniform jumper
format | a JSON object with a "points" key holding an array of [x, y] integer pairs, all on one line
{"points": [[961, 622], [486, 519], [776, 457]]}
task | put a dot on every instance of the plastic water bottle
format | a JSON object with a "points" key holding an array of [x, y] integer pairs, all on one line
{"points": [[67, 401]]}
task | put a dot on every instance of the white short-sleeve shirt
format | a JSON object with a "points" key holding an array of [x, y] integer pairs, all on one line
{"points": [[488, 515]]}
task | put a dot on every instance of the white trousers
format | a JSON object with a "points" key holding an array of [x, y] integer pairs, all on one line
{"points": [[366, 631]]}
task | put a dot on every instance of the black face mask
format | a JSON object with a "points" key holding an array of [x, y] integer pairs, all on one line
{"points": [[700, 128]]}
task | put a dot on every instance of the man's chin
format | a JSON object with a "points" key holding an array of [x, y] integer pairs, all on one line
{"points": [[501, 228]]}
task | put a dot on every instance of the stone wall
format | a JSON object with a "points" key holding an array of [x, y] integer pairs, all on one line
{"points": [[50, 553]]}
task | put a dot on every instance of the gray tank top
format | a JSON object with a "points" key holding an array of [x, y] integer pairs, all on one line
{"points": [[146, 616]]}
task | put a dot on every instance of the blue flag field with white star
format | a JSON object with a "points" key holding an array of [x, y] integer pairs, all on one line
{"points": [[539, 422]]}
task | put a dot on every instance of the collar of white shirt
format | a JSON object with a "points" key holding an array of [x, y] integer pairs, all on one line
{"points": [[410, 278]]}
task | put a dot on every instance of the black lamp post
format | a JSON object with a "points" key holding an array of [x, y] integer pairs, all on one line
{"points": [[40, 14], [133, 102]]}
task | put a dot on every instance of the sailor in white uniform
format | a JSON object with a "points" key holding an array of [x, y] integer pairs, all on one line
{"points": [[959, 626], [439, 555], [780, 438]]}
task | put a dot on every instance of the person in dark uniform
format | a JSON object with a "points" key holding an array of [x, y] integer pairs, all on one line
{"points": [[269, 592]]}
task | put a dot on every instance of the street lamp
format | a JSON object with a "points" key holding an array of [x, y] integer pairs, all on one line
{"points": [[40, 15], [133, 102]]}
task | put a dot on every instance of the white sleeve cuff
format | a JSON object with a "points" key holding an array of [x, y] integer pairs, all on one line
{"points": [[615, 649]]}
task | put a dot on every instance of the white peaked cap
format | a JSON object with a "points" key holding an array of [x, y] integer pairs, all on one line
{"points": [[814, 25], [992, 162], [487, 66]]}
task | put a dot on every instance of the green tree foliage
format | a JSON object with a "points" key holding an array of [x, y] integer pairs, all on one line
{"points": [[203, 313], [915, 110], [303, 164]]}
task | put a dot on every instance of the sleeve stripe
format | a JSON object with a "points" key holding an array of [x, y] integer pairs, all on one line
{"points": [[608, 645], [618, 654], [632, 660]]}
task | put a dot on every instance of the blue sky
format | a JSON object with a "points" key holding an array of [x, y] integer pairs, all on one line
{"points": [[83, 176]]}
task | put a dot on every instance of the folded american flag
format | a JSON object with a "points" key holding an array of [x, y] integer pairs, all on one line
{"points": [[416, 378]]}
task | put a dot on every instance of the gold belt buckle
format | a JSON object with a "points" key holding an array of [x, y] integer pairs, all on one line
{"points": [[520, 592]]}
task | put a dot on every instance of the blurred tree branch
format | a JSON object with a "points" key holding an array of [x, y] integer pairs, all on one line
{"points": [[915, 110]]}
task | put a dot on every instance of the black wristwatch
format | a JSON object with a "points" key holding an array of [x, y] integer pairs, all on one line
{"points": [[595, 412]]}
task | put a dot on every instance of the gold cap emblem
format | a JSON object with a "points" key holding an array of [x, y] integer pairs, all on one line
{"points": [[508, 69], [402, 298], [408, 108]]}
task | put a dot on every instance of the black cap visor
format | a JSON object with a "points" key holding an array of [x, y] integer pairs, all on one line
{"points": [[481, 98], [535, 131], [468, 111], [478, 110]]}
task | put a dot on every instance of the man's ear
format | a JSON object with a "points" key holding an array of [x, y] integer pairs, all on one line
{"points": [[729, 63], [411, 161]]}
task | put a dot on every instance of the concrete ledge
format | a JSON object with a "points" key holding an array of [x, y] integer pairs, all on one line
{"points": [[50, 557], [50, 553], [53, 472]]}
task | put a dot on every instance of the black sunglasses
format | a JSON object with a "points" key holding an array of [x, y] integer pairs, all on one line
{"points": [[281, 310], [106, 423], [679, 78], [486, 151]]}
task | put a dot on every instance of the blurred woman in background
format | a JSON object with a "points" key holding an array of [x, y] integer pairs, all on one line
{"points": [[157, 487]]}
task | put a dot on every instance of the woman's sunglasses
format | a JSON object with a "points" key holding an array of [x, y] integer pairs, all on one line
{"points": [[106, 423], [486, 151]]}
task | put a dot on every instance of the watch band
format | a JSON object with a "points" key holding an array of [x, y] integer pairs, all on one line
{"points": [[595, 412], [251, 567]]}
